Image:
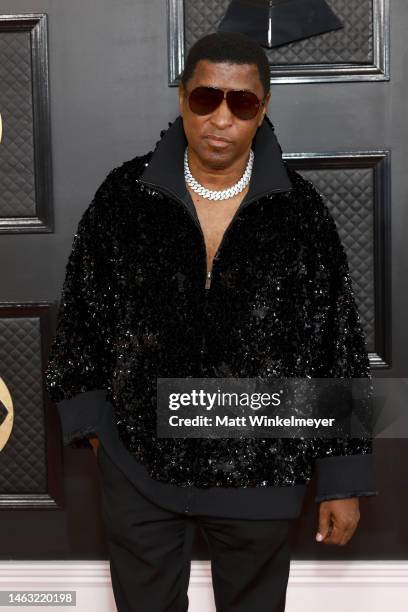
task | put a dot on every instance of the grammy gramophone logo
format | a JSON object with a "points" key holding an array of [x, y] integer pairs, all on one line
{"points": [[6, 414]]}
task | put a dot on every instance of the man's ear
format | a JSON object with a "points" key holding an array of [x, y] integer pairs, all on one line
{"points": [[264, 108]]}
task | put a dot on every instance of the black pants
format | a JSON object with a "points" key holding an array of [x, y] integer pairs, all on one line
{"points": [[150, 553]]}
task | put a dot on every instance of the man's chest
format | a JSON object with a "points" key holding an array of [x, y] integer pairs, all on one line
{"points": [[215, 217]]}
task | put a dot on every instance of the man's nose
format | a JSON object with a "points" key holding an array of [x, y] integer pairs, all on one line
{"points": [[222, 115]]}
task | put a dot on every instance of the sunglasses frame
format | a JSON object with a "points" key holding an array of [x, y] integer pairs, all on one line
{"points": [[225, 97]]}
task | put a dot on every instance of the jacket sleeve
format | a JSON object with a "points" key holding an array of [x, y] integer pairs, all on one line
{"points": [[79, 364], [344, 467]]}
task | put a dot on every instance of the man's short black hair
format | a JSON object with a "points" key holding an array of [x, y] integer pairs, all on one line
{"points": [[232, 47]]}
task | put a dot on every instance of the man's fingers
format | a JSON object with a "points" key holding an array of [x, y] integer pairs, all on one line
{"points": [[335, 537], [341, 533], [324, 522]]}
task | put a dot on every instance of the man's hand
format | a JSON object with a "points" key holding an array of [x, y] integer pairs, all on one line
{"points": [[338, 520], [94, 440]]}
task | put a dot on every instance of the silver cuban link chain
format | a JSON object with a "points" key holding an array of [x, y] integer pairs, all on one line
{"points": [[225, 193]]}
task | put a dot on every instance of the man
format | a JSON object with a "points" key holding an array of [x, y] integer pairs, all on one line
{"points": [[201, 259]]}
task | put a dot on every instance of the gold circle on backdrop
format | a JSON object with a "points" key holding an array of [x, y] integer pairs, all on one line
{"points": [[7, 425]]}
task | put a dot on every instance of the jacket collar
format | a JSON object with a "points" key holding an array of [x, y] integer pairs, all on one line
{"points": [[165, 168]]}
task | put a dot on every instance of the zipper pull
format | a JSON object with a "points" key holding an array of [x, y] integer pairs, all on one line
{"points": [[208, 280]]}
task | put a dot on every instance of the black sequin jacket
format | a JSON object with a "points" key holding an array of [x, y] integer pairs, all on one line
{"points": [[134, 306]]}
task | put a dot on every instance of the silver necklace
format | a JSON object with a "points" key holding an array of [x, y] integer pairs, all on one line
{"points": [[225, 193]]}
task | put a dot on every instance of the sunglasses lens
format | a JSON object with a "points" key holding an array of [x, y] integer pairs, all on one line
{"points": [[204, 100], [244, 104]]}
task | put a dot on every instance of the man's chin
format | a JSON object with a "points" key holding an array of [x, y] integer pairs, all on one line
{"points": [[217, 158]]}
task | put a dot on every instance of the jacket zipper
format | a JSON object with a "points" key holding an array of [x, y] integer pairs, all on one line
{"points": [[209, 273]]}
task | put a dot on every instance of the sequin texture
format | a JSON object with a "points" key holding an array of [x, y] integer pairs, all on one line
{"points": [[134, 307]]}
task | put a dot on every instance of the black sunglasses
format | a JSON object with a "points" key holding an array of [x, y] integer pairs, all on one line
{"points": [[243, 104]]}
